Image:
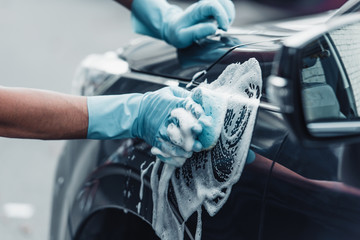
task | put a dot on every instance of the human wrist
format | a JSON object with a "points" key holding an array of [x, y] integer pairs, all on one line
{"points": [[136, 130], [112, 117]]}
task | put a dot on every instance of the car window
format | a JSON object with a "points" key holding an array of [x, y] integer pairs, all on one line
{"points": [[305, 195], [326, 92], [350, 56]]}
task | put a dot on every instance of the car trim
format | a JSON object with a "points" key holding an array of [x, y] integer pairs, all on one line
{"points": [[140, 77], [174, 82], [302, 38], [171, 82], [333, 128]]}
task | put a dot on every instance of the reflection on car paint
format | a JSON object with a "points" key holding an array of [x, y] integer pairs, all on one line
{"points": [[207, 177]]}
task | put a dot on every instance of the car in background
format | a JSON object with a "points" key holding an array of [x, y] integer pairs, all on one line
{"points": [[290, 192]]}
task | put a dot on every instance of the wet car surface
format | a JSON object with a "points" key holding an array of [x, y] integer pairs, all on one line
{"points": [[292, 192]]}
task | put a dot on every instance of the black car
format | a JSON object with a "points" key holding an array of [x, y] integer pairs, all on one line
{"points": [[305, 137]]}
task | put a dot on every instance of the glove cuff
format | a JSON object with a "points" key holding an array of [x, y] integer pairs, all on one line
{"points": [[140, 128], [112, 117]]}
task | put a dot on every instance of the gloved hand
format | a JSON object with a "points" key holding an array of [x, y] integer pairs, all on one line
{"points": [[250, 157], [148, 116], [159, 19]]}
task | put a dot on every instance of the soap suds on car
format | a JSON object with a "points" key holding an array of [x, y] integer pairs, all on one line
{"points": [[207, 177]]}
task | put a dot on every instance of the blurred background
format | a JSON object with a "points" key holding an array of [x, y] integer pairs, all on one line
{"points": [[42, 42]]}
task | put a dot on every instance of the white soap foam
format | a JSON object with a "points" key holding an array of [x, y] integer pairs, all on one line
{"points": [[157, 152], [214, 104], [183, 135], [185, 125], [164, 221], [207, 177], [199, 225], [174, 134], [176, 161], [143, 172], [194, 107], [138, 207]]}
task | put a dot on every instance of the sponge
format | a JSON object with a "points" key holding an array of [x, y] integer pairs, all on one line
{"points": [[215, 106]]}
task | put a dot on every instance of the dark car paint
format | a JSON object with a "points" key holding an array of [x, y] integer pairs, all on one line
{"points": [[94, 178]]}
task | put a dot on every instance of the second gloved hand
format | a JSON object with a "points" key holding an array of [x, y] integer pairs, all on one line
{"points": [[159, 19]]}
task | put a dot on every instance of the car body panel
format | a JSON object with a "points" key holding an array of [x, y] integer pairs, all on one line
{"points": [[298, 197]]}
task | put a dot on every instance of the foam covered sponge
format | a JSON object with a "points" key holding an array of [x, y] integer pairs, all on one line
{"points": [[214, 105]]}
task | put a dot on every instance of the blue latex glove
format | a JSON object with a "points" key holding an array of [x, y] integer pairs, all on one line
{"points": [[146, 116], [250, 157], [159, 19]]}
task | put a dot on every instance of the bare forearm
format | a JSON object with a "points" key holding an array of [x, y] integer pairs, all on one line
{"points": [[28, 113]]}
